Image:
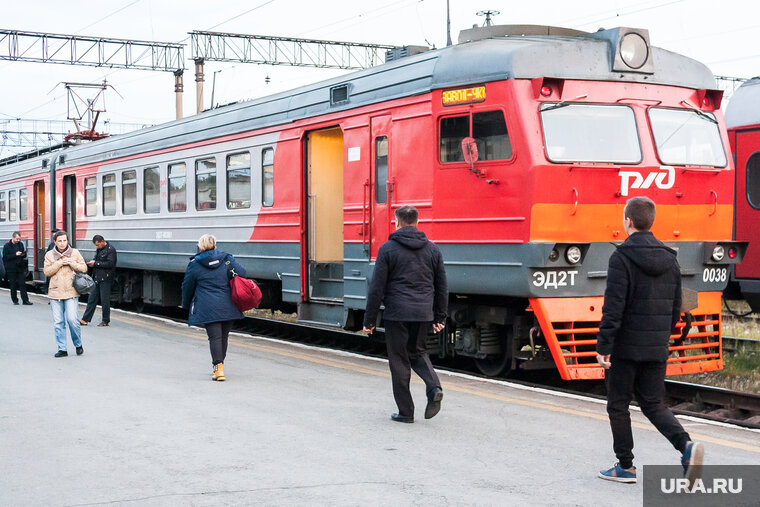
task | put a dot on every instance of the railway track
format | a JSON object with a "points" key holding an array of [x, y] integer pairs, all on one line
{"points": [[713, 403]]}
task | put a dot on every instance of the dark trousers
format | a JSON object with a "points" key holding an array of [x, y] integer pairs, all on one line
{"points": [[17, 281], [218, 333], [407, 350], [100, 294], [647, 381]]}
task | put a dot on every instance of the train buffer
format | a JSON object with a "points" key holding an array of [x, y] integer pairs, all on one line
{"points": [[138, 419]]}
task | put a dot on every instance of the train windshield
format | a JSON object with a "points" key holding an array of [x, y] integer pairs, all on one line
{"points": [[590, 133], [687, 137]]}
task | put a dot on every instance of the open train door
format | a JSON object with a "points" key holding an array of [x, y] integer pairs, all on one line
{"points": [[324, 214], [381, 214], [40, 244], [748, 211]]}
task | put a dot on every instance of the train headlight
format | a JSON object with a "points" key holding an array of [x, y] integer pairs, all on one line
{"points": [[718, 253], [554, 255], [573, 255], [732, 252], [634, 50]]}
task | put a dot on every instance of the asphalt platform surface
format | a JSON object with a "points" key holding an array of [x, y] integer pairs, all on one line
{"points": [[137, 420]]}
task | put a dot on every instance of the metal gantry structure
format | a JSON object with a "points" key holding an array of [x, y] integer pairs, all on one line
{"points": [[110, 53], [17, 45], [270, 50]]}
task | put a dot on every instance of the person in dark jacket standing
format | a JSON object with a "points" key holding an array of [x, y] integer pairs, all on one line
{"points": [[409, 278], [642, 305], [103, 271], [206, 294], [16, 266]]}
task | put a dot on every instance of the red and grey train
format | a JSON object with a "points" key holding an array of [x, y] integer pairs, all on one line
{"points": [[301, 187], [743, 123]]}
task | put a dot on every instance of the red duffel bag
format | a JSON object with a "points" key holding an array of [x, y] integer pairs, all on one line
{"points": [[246, 294]]}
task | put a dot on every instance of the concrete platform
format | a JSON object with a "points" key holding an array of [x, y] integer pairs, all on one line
{"points": [[137, 420]]}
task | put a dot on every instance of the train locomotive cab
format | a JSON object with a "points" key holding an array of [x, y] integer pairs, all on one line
{"points": [[576, 144]]}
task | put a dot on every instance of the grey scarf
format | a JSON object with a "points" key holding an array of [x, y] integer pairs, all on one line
{"points": [[66, 253]]}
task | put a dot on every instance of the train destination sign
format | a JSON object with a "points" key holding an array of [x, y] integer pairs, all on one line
{"points": [[463, 96]]}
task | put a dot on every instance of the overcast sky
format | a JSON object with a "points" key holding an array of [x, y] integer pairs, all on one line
{"points": [[722, 36]]}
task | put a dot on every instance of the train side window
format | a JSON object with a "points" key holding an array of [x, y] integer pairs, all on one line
{"points": [[489, 129], [23, 211], [177, 187], [11, 205], [453, 130], [3, 211], [109, 194], [381, 169], [91, 196], [267, 177], [239, 180], [129, 192], [205, 184], [753, 180], [151, 190]]}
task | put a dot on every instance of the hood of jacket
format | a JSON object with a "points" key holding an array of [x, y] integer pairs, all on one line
{"points": [[410, 237], [211, 259], [648, 253]]}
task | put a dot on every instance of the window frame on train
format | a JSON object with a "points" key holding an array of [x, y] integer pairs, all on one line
{"points": [[12, 209], [267, 168], [754, 203], [169, 184], [205, 176], [704, 116], [129, 191], [381, 170], [91, 188], [245, 169], [446, 149], [154, 195], [3, 207], [551, 146], [23, 203], [108, 191]]}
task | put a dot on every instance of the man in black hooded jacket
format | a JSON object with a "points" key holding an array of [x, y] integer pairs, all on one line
{"points": [[642, 305], [409, 278]]}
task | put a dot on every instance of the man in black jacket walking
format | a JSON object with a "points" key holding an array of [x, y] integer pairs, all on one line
{"points": [[642, 305], [16, 266], [410, 279], [103, 270]]}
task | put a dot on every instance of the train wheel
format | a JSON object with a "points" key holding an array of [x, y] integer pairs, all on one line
{"points": [[139, 305], [493, 366]]}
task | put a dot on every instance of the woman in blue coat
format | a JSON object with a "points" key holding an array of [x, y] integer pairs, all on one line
{"points": [[206, 294]]}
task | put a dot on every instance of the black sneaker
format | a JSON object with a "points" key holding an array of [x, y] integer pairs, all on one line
{"points": [[28, 303], [15, 303], [61, 353], [80, 351]]}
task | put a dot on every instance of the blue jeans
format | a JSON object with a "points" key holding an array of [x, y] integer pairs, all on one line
{"points": [[66, 311]]}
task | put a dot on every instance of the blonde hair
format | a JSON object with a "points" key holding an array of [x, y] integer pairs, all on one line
{"points": [[207, 242]]}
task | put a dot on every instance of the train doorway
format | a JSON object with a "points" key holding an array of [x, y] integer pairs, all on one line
{"points": [[70, 208], [324, 215], [40, 245]]}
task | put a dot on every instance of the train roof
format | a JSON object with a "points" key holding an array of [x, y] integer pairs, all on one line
{"points": [[743, 109], [586, 57]]}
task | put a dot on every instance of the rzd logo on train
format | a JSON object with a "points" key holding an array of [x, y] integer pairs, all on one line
{"points": [[664, 179]]}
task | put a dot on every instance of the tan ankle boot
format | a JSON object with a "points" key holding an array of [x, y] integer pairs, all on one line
{"points": [[218, 373]]}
